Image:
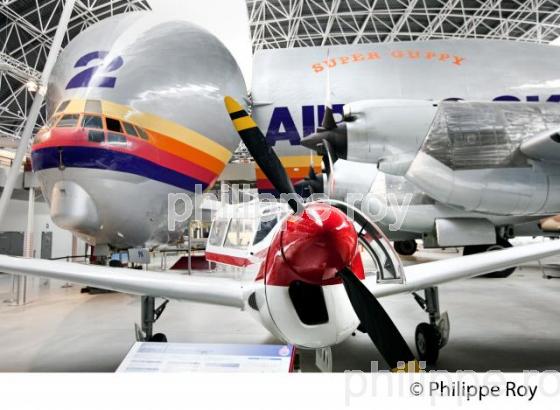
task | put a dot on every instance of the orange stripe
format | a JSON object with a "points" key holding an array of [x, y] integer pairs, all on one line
{"points": [[187, 152]]}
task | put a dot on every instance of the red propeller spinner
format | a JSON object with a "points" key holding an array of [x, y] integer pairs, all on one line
{"points": [[313, 247]]}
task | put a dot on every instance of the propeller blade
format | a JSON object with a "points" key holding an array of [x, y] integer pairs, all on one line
{"points": [[329, 122], [329, 167], [262, 153], [377, 323]]}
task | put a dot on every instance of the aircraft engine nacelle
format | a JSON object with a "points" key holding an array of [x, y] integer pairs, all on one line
{"points": [[386, 130], [351, 178], [471, 159]]}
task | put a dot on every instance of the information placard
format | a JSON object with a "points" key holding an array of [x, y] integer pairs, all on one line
{"points": [[187, 357]]}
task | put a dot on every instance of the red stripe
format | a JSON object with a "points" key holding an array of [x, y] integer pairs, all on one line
{"points": [[227, 259]]}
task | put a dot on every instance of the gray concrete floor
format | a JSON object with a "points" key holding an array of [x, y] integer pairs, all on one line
{"points": [[506, 324]]}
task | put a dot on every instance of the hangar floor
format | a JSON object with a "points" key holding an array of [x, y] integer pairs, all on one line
{"points": [[508, 324]]}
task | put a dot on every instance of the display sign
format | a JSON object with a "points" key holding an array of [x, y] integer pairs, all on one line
{"points": [[186, 357]]}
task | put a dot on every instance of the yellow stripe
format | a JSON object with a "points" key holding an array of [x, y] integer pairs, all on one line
{"points": [[244, 123]]}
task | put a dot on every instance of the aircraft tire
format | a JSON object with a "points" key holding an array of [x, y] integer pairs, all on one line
{"points": [[406, 248], [501, 244], [427, 339]]}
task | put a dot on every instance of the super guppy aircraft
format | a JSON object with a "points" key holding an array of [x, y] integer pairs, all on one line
{"points": [[136, 107]]}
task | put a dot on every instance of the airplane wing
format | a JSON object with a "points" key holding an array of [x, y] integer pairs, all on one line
{"points": [[429, 274], [212, 290], [230, 292]]}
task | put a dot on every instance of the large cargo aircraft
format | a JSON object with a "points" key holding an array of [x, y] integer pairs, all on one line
{"points": [[453, 141], [136, 112]]}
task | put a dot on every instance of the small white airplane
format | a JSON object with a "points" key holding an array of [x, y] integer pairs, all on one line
{"points": [[304, 276]]}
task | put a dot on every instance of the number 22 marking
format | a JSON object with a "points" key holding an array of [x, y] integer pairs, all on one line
{"points": [[89, 77]]}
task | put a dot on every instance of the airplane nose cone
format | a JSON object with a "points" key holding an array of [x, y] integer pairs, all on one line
{"points": [[319, 243], [72, 208]]}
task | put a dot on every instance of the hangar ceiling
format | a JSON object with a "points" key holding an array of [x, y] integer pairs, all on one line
{"points": [[27, 28], [303, 23], [26, 31]]}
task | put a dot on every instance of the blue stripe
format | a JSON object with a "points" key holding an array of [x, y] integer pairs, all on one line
{"points": [[104, 159]]}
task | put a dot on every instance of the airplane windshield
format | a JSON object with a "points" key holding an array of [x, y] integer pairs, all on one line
{"points": [[240, 233], [218, 231], [265, 227]]}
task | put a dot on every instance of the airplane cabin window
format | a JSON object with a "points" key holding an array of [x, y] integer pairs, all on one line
{"points": [[218, 231], [62, 106], [130, 130], [265, 227], [240, 233], [92, 121], [96, 136], [113, 138], [68, 121], [142, 133], [93, 106], [113, 125]]}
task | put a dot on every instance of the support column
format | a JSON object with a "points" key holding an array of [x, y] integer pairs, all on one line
{"points": [[35, 107], [26, 288]]}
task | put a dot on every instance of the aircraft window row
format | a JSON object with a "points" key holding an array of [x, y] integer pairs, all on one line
{"points": [[95, 122]]}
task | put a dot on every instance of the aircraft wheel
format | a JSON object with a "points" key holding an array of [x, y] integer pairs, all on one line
{"points": [[427, 338], [501, 244], [406, 248], [158, 338]]}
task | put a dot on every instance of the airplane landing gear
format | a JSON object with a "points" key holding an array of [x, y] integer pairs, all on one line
{"points": [[406, 248], [149, 315], [500, 244], [433, 336]]}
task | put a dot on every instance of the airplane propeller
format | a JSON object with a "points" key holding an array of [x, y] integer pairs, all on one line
{"points": [[376, 322], [373, 317], [262, 153], [330, 140]]}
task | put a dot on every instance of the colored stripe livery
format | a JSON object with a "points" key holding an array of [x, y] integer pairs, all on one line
{"points": [[105, 135]]}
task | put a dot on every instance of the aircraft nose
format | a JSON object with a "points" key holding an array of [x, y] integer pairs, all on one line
{"points": [[319, 243], [73, 208]]}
